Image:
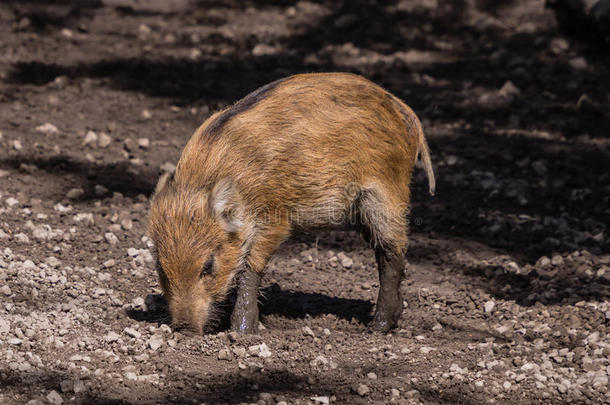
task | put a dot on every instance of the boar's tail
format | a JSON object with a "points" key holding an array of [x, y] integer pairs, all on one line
{"points": [[411, 121], [425, 158]]}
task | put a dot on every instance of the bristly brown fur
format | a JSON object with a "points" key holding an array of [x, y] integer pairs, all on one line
{"points": [[288, 156]]}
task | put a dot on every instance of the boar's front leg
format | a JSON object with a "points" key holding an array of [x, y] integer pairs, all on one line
{"points": [[244, 318], [389, 303]]}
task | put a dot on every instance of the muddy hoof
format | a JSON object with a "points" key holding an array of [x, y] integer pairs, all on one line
{"points": [[381, 325]]}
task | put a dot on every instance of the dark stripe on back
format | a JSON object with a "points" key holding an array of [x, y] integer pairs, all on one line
{"points": [[214, 129]]}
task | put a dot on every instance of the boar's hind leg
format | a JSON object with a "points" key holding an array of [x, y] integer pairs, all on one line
{"points": [[384, 223], [389, 303], [244, 318]]}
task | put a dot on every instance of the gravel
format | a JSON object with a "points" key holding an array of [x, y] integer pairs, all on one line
{"points": [[505, 296]]}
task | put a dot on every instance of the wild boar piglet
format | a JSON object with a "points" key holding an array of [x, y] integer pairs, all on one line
{"points": [[305, 152]]}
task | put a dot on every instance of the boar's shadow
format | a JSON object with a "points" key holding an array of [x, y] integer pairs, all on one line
{"points": [[274, 301]]}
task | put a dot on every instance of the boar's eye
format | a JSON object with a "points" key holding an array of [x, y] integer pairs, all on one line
{"points": [[208, 267]]}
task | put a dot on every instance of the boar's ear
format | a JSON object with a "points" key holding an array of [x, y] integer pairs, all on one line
{"points": [[225, 204]]}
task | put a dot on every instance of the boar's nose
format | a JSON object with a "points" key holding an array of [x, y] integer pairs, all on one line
{"points": [[186, 328]]}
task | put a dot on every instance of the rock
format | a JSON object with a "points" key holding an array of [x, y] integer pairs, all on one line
{"points": [[66, 385], [321, 400], [489, 307], [6, 290], [90, 138], [79, 386], [104, 140], [543, 262], [346, 261], [144, 143], [5, 327], [22, 238], [559, 45], [319, 361], [127, 224], [132, 333], [264, 50], [15, 341], [579, 63], [362, 390], [372, 376], [146, 114], [11, 202], [557, 260], [155, 342], [131, 376], [195, 53], [225, 354], [111, 337], [111, 238], [509, 91], [75, 193], [395, 393], [308, 332], [47, 128], [100, 190], [54, 398], [168, 167], [239, 351], [17, 145], [261, 350], [85, 217]]}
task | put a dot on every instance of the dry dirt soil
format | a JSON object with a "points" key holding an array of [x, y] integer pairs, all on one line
{"points": [[506, 298]]}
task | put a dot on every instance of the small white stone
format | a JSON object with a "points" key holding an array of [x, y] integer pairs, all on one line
{"points": [[47, 128], [362, 390], [144, 143], [100, 190], [155, 342], [111, 337], [224, 354], [54, 398], [90, 138], [11, 202], [132, 332], [346, 261], [103, 140], [111, 238], [489, 307], [75, 193], [168, 167]]}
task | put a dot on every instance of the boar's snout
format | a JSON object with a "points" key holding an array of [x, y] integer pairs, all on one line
{"points": [[189, 317]]}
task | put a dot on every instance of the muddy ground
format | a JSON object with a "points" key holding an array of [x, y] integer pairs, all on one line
{"points": [[508, 276]]}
